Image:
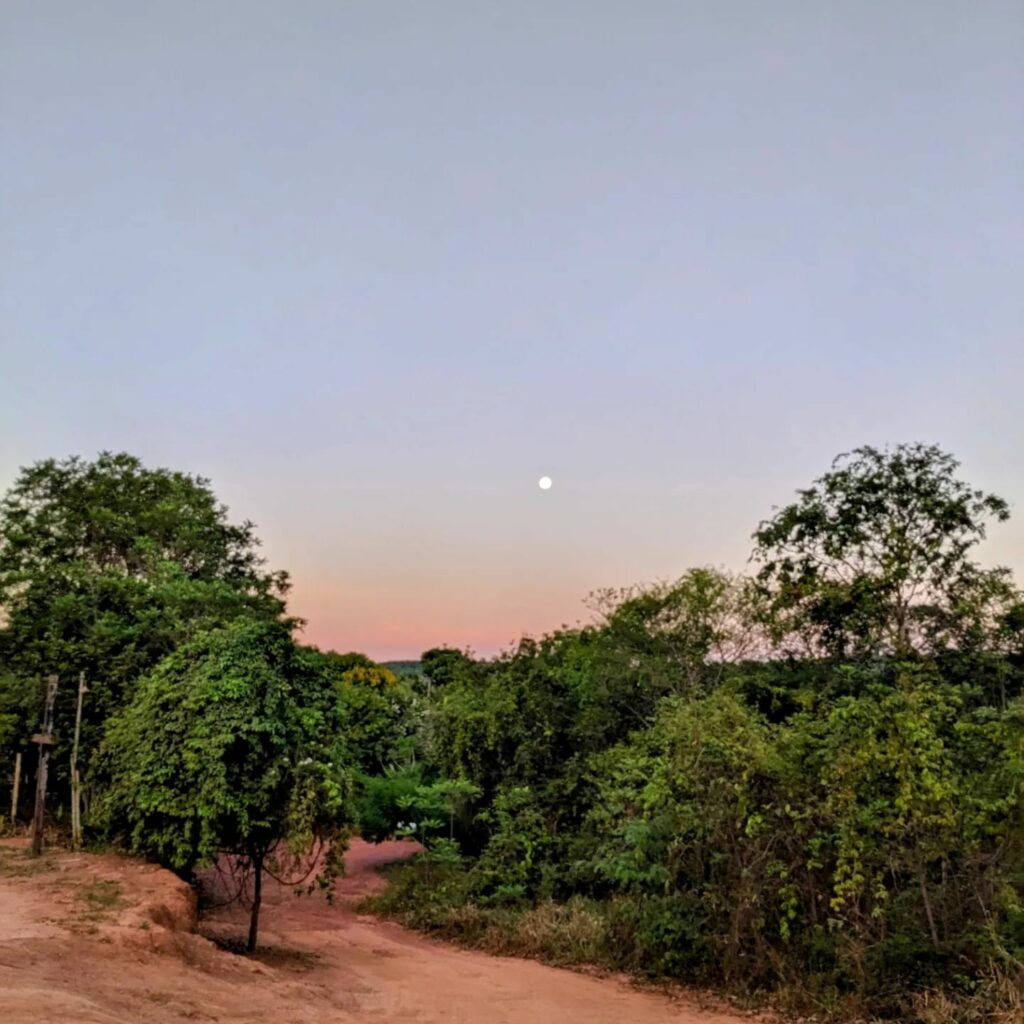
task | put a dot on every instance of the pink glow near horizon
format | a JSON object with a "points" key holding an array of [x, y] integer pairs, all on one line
{"points": [[347, 623]]}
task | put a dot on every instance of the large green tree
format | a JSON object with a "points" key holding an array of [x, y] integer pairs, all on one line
{"points": [[873, 558], [106, 566], [233, 745]]}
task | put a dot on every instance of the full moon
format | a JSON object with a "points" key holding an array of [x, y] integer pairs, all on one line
{"points": [[544, 483]]}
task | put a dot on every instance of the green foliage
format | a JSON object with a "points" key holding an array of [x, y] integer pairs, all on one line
{"points": [[873, 558], [384, 802], [231, 743], [21, 699], [810, 784], [432, 810], [404, 669], [106, 567], [511, 867], [234, 743], [440, 665], [383, 734], [438, 900], [687, 630], [381, 714]]}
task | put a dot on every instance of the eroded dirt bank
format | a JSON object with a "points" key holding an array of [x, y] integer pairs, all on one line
{"points": [[100, 940]]}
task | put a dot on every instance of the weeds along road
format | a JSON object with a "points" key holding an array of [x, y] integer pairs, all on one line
{"points": [[96, 939]]}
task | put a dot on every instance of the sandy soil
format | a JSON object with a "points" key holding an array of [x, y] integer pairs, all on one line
{"points": [[88, 939]]}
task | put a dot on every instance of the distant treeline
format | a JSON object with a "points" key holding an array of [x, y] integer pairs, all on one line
{"points": [[402, 669]]}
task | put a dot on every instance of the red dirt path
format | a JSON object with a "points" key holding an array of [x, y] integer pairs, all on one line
{"points": [[66, 957]]}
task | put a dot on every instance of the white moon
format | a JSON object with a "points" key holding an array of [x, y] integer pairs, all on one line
{"points": [[544, 483]]}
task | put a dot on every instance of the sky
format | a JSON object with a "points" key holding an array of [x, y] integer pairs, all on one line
{"points": [[375, 268]]}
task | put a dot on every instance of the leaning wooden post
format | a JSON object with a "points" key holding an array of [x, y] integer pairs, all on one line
{"points": [[15, 788], [44, 739], [76, 785]]}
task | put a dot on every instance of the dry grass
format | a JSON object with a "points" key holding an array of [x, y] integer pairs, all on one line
{"points": [[93, 905], [555, 933], [585, 934], [552, 931], [18, 862], [102, 896], [998, 1000]]}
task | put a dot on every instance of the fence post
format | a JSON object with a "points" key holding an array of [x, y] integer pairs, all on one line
{"points": [[15, 788], [76, 785], [44, 740]]}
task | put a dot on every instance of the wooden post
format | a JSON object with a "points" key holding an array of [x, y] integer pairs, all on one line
{"points": [[44, 739], [15, 788], [76, 785]]}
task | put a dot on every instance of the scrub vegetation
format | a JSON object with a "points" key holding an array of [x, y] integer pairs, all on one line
{"points": [[804, 785]]}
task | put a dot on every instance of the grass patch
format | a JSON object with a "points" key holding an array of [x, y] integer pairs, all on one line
{"points": [[16, 862], [998, 999], [96, 902], [434, 899], [102, 895]]}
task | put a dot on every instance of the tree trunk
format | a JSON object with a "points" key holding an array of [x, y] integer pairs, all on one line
{"points": [[44, 739], [76, 781], [39, 815], [257, 897], [928, 911], [14, 790]]}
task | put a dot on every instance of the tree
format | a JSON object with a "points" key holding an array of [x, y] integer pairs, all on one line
{"points": [[440, 665], [114, 514], [106, 566], [232, 745], [689, 629], [380, 711], [383, 722], [20, 699], [876, 550]]}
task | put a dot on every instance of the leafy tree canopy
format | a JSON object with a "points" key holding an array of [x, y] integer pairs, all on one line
{"points": [[233, 744], [380, 716], [873, 557], [440, 665], [106, 566]]}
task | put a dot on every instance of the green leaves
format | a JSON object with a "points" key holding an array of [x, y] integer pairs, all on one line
{"points": [[107, 566], [815, 778], [873, 557], [232, 743]]}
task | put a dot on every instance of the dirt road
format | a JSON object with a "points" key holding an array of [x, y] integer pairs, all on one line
{"points": [[100, 940]]}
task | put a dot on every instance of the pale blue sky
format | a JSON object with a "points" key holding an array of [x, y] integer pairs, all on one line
{"points": [[376, 267]]}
